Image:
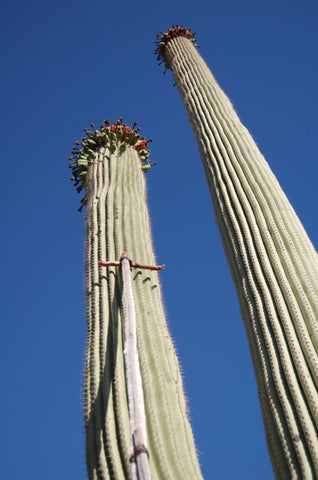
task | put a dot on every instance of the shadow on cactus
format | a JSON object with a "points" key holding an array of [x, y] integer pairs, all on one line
{"points": [[115, 137]]}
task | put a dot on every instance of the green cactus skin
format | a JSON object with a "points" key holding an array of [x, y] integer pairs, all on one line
{"points": [[273, 263], [117, 220]]}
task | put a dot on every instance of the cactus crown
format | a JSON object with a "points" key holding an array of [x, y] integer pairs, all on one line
{"points": [[164, 37], [114, 137]]}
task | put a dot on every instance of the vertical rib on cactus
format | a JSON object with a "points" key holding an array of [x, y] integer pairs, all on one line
{"points": [[273, 263], [108, 164]]}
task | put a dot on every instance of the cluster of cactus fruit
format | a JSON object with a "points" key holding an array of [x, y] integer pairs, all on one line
{"points": [[115, 137], [164, 37]]}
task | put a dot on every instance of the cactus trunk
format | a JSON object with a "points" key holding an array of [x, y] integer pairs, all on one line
{"points": [[273, 263], [117, 221]]}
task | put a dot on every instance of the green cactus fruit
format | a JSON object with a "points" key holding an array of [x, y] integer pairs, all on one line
{"points": [[122, 147], [82, 162], [112, 146]]}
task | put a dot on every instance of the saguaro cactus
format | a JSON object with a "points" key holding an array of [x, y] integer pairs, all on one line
{"points": [[273, 263], [108, 163]]}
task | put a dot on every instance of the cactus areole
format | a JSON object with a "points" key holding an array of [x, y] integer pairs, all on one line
{"points": [[116, 137]]}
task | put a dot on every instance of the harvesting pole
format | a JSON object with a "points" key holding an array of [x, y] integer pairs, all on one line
{"points": [[136, 421], [273, 263]]}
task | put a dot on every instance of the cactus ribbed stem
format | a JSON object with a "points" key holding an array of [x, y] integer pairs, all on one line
{"points": [[273, 263], [117, 220]]}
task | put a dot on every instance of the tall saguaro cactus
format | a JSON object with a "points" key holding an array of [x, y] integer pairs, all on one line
{"points": [[109, 163], [273, 263]]}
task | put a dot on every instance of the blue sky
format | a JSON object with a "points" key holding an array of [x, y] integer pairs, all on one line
{"points": [[67, 64]]}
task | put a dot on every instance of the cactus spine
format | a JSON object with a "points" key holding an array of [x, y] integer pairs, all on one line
{"points": [[108, 163], [273, 263]]}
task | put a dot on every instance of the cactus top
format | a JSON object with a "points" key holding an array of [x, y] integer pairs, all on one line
{"points": [[115, 137], [164, 37]]}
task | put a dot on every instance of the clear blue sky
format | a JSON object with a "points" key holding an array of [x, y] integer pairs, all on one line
{"points": [[69, 63]]}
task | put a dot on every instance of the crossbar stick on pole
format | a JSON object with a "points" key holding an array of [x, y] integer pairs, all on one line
{"points": [[132, 264]]}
